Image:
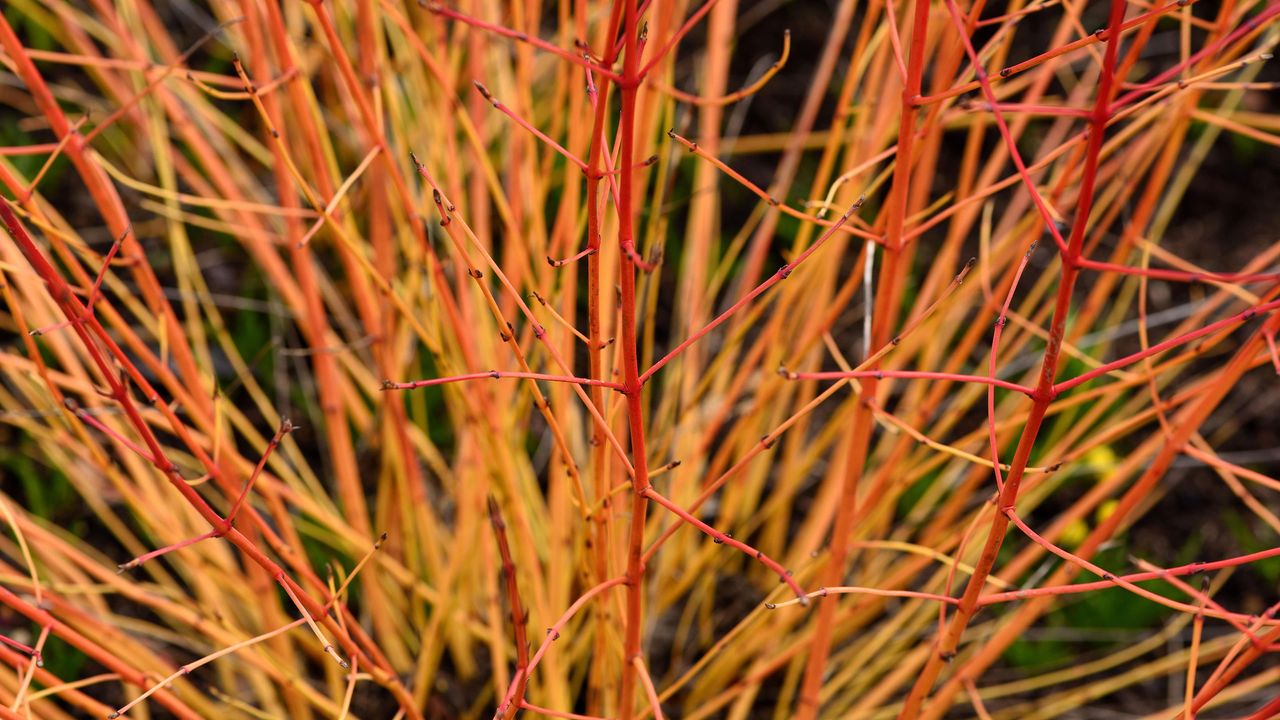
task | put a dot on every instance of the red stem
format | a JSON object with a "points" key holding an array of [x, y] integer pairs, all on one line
{"points": [[910, 375], [539, 710], [1050, 110], [1178, 275], [145, 557], [883, 320], [1270, 710], [991, 372], [484, 91], [285, 428], [675, 38], [632, 382], [1189, 569], [782, 274], [553, 634], [5, 639], [1158, 348], [499, 374], [1235, 619], [724, 539], [507, 32], [602, 520], [518, 617], [111, 432], [94, 290], [1071, 250]]}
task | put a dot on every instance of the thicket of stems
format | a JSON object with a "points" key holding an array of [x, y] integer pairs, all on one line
{"points": [[645, 415]]}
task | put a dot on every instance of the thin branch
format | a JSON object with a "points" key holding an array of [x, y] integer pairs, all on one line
{"points": [[497, 375]]}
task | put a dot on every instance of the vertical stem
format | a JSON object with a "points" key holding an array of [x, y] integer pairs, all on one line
{"points": [[599, 455], [627, 86], [882, 323], [599, 452], [947, 645]]}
